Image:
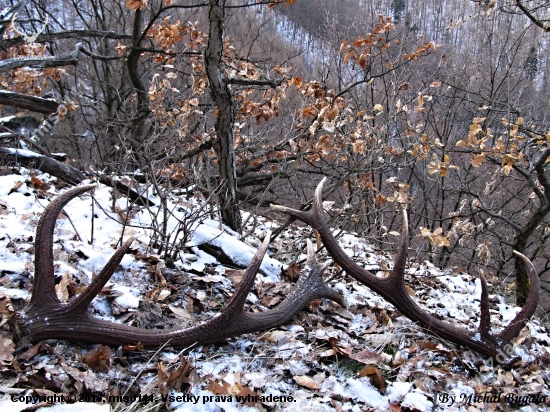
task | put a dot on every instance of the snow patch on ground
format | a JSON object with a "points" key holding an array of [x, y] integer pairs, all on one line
{"points": [[316, 344]]}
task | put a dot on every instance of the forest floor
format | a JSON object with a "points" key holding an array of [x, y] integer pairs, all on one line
{"points": [[366, 357]]}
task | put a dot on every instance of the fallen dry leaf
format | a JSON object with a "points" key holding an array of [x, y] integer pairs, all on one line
{"points": [[41, 379], [36, 183], [216, 388], [62, 288], [175, 379], [426, 345], [99, 359], [383, 318], [367, 356], [161, 292], [132, 348], [327, 353], [16, 186], [271, 302], [86, 381], [234, 275], [181, 313], [314, 305], [292, 272], [153, 259], [226, 388], [306, 381], [209, 279], [410, 291], [376, 378], [276, 336], [6, 307], [6, 350], [31, 352]]}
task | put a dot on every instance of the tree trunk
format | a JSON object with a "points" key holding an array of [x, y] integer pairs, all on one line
{"points": [[143, 111], [542, 190], [221, 94], [520, 244]]}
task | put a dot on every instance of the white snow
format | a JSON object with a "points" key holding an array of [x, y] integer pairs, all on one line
{"points": [[239, 252], [245, 358], [362, 390], [127, 300], [10, 406], [23, 152], [418, 401], [76, 407], [207, 403]]}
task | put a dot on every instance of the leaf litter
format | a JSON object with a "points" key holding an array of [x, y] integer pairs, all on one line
{"points": [[364, 358]]}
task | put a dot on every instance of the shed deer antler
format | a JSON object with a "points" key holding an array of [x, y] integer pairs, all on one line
{"points": [[45, 317], [392, 288]]}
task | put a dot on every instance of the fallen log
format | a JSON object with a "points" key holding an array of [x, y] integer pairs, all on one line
{"points": [[32, 160]]}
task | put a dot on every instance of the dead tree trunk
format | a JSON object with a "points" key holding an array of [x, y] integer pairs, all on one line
{"points": [[23, 101], [26, 158]]}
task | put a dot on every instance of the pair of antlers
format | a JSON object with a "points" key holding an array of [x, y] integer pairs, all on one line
{"points": [[45, 317]]}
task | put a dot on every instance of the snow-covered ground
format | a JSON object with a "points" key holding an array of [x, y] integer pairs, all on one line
{"points": [[365, 357]]}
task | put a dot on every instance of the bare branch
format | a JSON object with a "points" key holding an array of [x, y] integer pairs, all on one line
{"points": [[68, 34], [543, 24], [41, 62]]}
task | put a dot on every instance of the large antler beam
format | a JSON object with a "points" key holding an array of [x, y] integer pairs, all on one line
{"points": [[45, 317], [392, 288]]}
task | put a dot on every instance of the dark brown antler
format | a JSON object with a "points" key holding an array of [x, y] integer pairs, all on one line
{"points": [[46, 317], [393, 289]]}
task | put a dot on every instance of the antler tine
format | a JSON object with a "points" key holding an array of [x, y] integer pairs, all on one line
{"points": [[44, 282], [400, 261], [316, 219], [247, 281], [530, 306], [82, 302], [47, 318], [392, 288], [315, 278], [485, 314]]}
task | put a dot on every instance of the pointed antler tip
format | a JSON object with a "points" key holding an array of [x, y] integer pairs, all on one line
{"points": [[281, 208], [527, 261], [321, 184], [405, 218], [89, 186], [521, 255], [481, 276], [265, 243], [310, 252]]}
